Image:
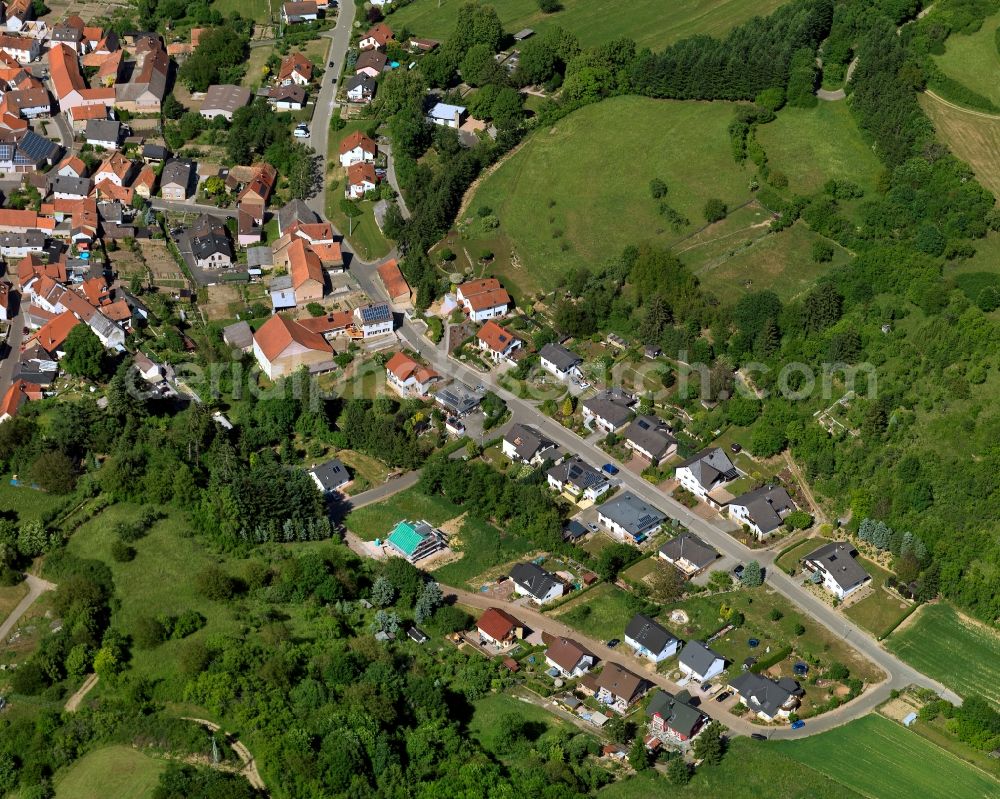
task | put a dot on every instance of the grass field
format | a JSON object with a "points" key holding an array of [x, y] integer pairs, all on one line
{"points": [[974, 138], [602, 612], [750, 770], [795, 554], [10, 596], [929, 643], [483, 547], [882, 610], [973, 60], [114, 772], [578, 192], [249, 9], [880, 758], [377, 521], [488, 710], [27, 502], [812, 145], [593, 22]]}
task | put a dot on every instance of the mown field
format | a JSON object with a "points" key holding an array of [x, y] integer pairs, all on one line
{"points": [[812, 145], [378, 520], [973, 60], [750, 770], [114, 772], [880, 758], [601, 613], [578, 193], [645, 21], [963, 655], [974, 137], [487, 711]]}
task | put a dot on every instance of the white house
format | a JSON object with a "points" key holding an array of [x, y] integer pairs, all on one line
{"points": [[762, 510], [525, 444], [705, 473], [769, 699], [361, 179], [609, 411], [649, 639], [531, 580], [700, 663], [360, 88], [499, 342], [374, 319], [409, 378], [630, 519], [841, 573], [650, 438], [576, 478], [447, 115], [357, 147], [484, 299], [569, 657], [561, 362]]}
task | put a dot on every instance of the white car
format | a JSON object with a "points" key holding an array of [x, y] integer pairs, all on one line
{"points": [[301, 132]]}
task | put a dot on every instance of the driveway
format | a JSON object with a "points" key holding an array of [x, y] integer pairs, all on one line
{"points": [[36, 587]]}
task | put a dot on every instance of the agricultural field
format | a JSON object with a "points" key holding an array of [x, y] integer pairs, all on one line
{"points": [[973, 60], [562, 201], [750, 770], [879, 757], [645, 21], [974, 137], [929, 641], [601, 613], [812, 145], [114, 772]]}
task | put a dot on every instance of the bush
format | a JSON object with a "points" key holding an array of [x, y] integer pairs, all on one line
{"points": [[822, 252], [715, 210], [549, 6], [148, 633], [213, 583], [657, 188], [122, 552], [771, 99]]}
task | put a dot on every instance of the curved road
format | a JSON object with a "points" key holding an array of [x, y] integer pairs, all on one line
{"points": [[36, 587]]}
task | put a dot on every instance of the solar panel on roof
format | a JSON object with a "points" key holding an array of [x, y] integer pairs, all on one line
{"points": [[376, 313]]}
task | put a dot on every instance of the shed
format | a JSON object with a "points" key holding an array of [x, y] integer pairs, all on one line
{"points": [[909, 718]]}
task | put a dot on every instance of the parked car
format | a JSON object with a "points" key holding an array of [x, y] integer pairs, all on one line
{"points": [[610, 468], [758, 737], [613, 643], [738, 570], [301, 132], [723, 696], [706, 687], [592, 527], [332, 64], [798, 724], [736, 448]]}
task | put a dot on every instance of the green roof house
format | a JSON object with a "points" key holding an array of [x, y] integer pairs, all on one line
{"points": [[415, 540]]}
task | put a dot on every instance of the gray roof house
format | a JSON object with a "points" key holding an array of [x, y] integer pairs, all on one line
{"points": [[561, 362], [673, 717], [295, 211], [835, 563], [688, 553], [578, 478], [238, 335], [609, 410], [705, 472], [699, 662], [629, 518], [67, 187], [532, 580], [762, 510], [223, 100], [175, 179], [104, 133], [526, 444], [769, 699], [210, 242], [360, 88], [330, 476], [650, 639], [650, 437]]}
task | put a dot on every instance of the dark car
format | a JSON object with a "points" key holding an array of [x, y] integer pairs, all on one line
{"points": [[798, 724], [736, 448], [613, 643], [738, 570], [610, 468], [332, 63], [723, 696], [758, 737]]}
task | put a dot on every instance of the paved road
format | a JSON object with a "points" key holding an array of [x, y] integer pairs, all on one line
{"points": [[11, 350], [391, 177], [380, 492], [191, 207], [838, 94], [326, 100], [36, 587]]}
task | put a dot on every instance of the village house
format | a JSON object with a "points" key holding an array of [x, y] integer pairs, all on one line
{"points": [[699, 663], [629, 518], [650, 438], [574, 477], [357, 147], [282, 346], [295, 212], [116, 169], [287, 98], [330, 476], [409, 378], [104, 133], [374, 319], [531, 580], [650, 639], [835, 563], [569, 657], [499, 628], [360, 88], [7, 301], [29, 103], [175, 179], [210, 242], [609, 411], [688, 554], [561, 362], [27, 153], [415, 540], [395, 284], [498, 342], [298, 12], [144, 91], [525, 444], [19, 14], [22, 49], [447, 115], [361, 179], [484, 299], [769, 699], [371, 63], [222, 100], [295, 68], [672, 718], [306, 271], [706, 474], [763, 510], [20, 392], [376, 37], [80, 115], [254, 196], [619, 688]]}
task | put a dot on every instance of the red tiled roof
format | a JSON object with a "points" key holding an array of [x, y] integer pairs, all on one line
{"points": [[358, 139], [52, 334], [360, 173], [381, 33], [495, 337], [64, 71], [488, 299], [403, 366], [295, 62], [19, 392], [303, 264], [277, 333], [497, 624], [393, 280]]}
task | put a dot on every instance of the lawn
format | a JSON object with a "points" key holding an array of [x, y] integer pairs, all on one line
{"points": [[10, 596], [483, 548], [882, 610], [594, 22], [973, 60], [366, 470], [578, 192], [812, 145], [488, 710], [880, 758], [973, 138], [601, 613], [750, 770], [158, 581], [791, 558], [114, 772], [249, 9], [378, 520], [27, 502], [363, 233], [929, 642]]}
